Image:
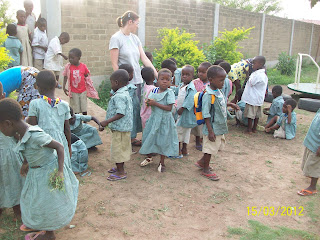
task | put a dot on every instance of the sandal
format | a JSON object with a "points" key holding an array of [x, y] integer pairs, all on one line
{"points": [[146, 162], [199, 147], [161, 168], [211, 176], [33, 236], [200, 167], [136, 143], [24, 228], [176, 157], [112, 170], [305, 192], [114, 177]]}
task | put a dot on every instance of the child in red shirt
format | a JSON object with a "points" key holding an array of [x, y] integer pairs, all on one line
{"points": [[76, 73]]}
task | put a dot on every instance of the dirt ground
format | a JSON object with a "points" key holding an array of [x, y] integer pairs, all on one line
{"points": [[255, 171]]}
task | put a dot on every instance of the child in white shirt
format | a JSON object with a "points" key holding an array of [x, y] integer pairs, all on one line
{"points": [[40, 44], [254, 93]]}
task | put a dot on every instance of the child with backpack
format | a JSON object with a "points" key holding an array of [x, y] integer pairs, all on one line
{"points": [[214, 112]]}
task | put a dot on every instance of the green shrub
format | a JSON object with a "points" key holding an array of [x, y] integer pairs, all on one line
{"points": [[104, 94], [286, 64], [178, 44], [209, 51], [227, 45]]}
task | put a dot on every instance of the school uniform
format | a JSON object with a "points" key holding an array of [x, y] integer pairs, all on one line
{"points": [[218, 120], [11, 182], [226, 88], [15, 48], [42, 208], [136, 120], [275, 108], [239, 114], [51, 115], [286, 130], [160, 134], [120, 103], [311, 162], [187, 120], [88, 134]]}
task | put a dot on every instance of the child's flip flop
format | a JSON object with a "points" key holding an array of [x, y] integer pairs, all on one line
{"points": [[114, 177], [24, 228], [211, 176], [305, 192], [33, 236], [146, 162]]}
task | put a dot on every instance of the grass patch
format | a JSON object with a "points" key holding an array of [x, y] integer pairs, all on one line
{"points": [[104, 94], [9, 230], [308, 75], [312, 209], [262, 232]]}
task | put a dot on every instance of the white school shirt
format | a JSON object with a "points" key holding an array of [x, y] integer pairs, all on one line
{"points": [[39, 39], [52, 60], [255, 89]]}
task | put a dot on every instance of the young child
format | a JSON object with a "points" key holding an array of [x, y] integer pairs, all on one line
{"points": [[41, 208], [50, 113], [284, 126], [24, 36], [75, 74], [172, 66], [149, 55], [132, 89], [88, 134], [11, 181], [53, 58], [311, 157], [119, 119], [227, 87], [275, 110], [240, 118], [30, 17], [254, 93], [147, 74], [40, 44], [200, 84], [185, 105], [160, 134], [13, 45], [215, 116]]}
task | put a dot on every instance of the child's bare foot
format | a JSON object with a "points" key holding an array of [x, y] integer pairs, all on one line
{"points": [[254, 130], [42, 235], [247, 132]]}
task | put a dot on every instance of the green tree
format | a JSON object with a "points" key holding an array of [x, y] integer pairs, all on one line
{"points": [[178, 44], [270, 7], [5, 17]]}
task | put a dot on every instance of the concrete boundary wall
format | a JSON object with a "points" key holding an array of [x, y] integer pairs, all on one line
{"points": [[91, 23]]}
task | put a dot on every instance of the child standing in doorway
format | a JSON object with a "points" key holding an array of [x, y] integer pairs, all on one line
{"points": [[200, 84], [215, 116], [40, 44], [41, 207], [53, 58], [254, 93], [24, 36], [160, 134], [119, 120], [76, 74], [13, 45], [185, 108]]}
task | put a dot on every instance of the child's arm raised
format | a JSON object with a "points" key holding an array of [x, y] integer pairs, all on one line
{"points": [[110, 120], [60, 152], [67, 133], [97, 122], [151, 102]]}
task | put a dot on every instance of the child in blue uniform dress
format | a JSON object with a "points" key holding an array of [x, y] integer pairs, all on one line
{"points": [[51, 113], [42, 208], [215, 117], [240, 118], [88, 134], [284, 126], [275, 110], [11, 182], [136, 120], [185, 105], [119, 120], [160, 134]]}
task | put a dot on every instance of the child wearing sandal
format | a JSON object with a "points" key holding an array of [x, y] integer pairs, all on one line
{"points": [[311, 157], [88, 134], [41, 207], [11, 183], [51, 113], [160, 134], [215, 117], [119, 120], [185, 105], [136, 120]]}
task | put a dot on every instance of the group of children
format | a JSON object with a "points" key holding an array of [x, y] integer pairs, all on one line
{"points": [[28, 45]]}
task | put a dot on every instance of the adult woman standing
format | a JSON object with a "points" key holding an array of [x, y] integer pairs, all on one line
{"points": [[125, 48]]}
